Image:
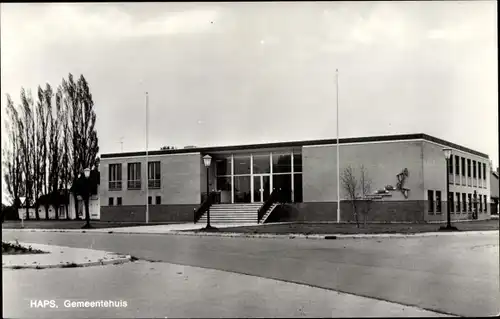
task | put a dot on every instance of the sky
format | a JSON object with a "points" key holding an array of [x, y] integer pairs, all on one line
{"points": [[236, 73]]}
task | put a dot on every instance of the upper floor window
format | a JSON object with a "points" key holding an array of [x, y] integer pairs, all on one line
{"points": [[479, 170], [450, 165], [474, 169], [463, 166], [457, 165], [115, 176], [134, 176], [484, 171], [154, 175], [468, 168]]}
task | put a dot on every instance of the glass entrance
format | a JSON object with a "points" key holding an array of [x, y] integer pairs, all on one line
{"points": [[261, 188]]}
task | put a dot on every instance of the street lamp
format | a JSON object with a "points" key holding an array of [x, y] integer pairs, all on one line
{"points": [[22, 199], [207, 160], [448, 227], [86, 195]]}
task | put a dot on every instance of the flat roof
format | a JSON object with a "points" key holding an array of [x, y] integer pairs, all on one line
{"points": [[383, 138]]}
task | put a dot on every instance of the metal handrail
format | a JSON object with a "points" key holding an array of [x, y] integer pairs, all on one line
{"points": [[205, 205], [273, 198]]}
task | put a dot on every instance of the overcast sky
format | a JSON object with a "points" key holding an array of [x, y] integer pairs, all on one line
{"points": [[232, 73]]}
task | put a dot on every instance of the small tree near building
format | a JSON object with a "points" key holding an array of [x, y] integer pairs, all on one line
{"points": [[357, 192]]}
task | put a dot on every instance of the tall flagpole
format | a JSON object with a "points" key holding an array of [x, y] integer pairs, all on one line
{"points": [[338, 147], [147, 162]]}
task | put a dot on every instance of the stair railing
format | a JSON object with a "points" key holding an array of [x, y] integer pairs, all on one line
{"points": [[212, 198], [275, 197]]}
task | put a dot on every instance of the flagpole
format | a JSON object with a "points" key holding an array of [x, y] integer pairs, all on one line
{"points": [[338, 147], [147, 162]]}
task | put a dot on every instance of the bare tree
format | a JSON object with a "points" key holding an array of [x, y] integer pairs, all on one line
{"points": [[365, 184], [54, 150], [357, 191], [65, 145], [12, 156], [44, 107], [27, 142], [350, 185]]}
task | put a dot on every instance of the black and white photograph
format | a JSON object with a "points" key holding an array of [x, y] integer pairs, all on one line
{"points": [[250, 159]]}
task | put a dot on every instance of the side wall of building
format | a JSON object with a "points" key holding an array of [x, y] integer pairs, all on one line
{"points": [[383, 161], [179, 190], [435, 172]]}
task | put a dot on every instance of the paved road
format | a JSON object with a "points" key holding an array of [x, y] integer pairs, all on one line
{"points": [[159, 290], [450, 274]]}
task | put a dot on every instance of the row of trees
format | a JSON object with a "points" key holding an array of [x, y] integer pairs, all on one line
{"points": [[50, 142]]}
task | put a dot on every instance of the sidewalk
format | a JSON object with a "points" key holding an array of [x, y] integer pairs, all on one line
{"points": [[191, 229], [160, 290], [61, 257]]}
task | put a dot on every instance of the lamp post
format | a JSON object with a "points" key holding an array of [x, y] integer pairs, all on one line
{"points": [[448, 227], [23, 199], [86, 194], [207, 160]]}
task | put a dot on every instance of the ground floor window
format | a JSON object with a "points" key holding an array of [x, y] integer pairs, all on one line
{"points": [[458, 202], [252, 178], [464, 202], [450, 202], [430, 201], [438, 201]]}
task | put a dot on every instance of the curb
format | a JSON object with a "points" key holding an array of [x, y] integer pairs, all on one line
{"points": [[283, 236], [121, 260]]}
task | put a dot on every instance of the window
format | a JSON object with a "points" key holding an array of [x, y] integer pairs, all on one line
{"points": [[158, 200], [134, 176], [468, 167], [450, 202], [150, 200], [282, 163], [297, 188], [110, 201], [458, 202], [480, 203], [463, 166], [118, 201], [242, 165], [438, 201], [430, 201], [479, 170], [474, 169], [457, 164], [464, 202], [485, 203], [115, 177], [470, 202], [297, 162], [484, 171], [261, 164], [223, 167], [154, 175], [450, 165]]}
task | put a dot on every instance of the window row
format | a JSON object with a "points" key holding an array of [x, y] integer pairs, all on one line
{"points": [[134, 179], [281, 163], [111, 201], [475, 168], [459, 202]]}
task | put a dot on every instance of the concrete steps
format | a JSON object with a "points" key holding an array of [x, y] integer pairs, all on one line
{"points": [[232, 213]]}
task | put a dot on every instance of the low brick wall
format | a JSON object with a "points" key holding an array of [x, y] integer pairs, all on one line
{"points": [[157, 213], [390, 211]]}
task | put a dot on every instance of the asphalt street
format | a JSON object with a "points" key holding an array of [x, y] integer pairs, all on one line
{"points": [[449, 274], [160, 290]]}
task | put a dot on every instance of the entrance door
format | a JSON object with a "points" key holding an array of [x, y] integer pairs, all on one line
{"points": [[261, 188]]}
